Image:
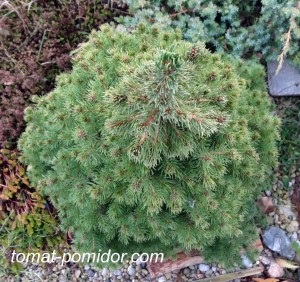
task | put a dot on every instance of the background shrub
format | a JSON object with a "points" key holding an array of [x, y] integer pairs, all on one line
{"points": [[254, 28], [152, 143]]}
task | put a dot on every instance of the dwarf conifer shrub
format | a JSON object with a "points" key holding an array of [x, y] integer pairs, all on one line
{"points": [[152, 143]]}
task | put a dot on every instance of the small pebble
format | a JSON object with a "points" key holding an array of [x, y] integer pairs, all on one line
{"points": [[131, 270], [275, 270], [117, 272], [105, 271], [293, 226], [144, 272], [294, 236], [203, 267], [162, 279], [90, 273], [246, 261], [140, 262], [183, 277], [265, 260], [268, 193]]}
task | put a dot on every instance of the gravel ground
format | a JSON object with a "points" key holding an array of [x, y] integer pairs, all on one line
{"points": [[134, 272]]}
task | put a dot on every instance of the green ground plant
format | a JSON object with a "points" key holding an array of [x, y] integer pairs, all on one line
{"points": [[153, 144], [25, 222], [290, 136]]}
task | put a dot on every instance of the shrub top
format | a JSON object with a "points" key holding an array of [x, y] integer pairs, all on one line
{"points": [[153, 143]]}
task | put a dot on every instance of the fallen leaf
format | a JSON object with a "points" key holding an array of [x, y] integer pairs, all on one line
{"points": [[12, 188], [286, 263], [257, 245], [266, 204]]}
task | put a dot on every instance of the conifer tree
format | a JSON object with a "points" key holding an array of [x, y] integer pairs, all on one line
{"points": [[153, 144]]}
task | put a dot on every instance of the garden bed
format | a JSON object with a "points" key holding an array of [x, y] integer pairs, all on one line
{"points": [[36, 40]]}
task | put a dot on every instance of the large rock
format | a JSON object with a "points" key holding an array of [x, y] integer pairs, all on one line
{"points": [[276, 240], [286, 82]]}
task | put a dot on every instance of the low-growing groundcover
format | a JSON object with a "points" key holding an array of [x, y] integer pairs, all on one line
{"points": [[26, 224], [153, 144]]}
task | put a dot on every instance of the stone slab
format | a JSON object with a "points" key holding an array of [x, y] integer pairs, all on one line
{"points": [[286, 82]]}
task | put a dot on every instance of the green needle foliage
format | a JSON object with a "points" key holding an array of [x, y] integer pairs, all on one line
{"points": [[153, 144]]}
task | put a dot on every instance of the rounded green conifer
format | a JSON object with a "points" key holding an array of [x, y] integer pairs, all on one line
{"points": [[153, 144]]}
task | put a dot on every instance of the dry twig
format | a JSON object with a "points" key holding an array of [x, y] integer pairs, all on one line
{"points": [[285, 49]]}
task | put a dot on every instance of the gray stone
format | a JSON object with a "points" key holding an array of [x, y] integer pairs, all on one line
{"points": [[162, 279], [286, 82], [294, 236], [118, 272], [276, 240], [265, 260], [293, 226], [275, 270], [90, 273], [77, 273], [131, 270], [140, 262], [144, 272], [268, 193], [61, 279], [246, 261], [203, 267], [105, 272]]}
